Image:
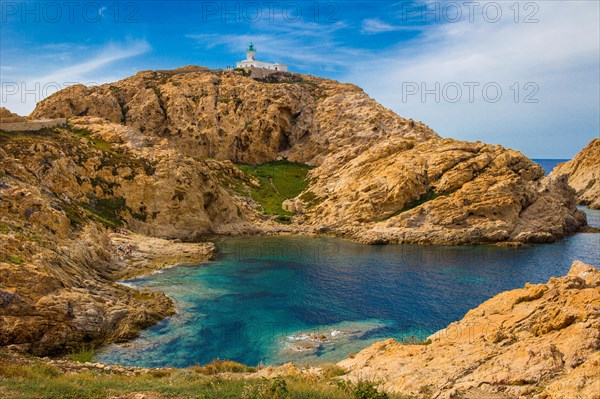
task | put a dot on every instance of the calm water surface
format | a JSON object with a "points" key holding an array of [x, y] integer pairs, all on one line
{"points": [[549, 164], [271, 300]]}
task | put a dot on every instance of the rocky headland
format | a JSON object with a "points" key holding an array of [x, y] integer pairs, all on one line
{"points": [[8, 117], [167, 155], [378, 177], [583, 173]]}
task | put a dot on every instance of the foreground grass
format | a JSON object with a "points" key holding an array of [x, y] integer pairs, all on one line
{"points": [[42, 380], [279, 181]]}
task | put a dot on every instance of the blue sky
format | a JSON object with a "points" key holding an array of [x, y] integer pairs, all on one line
{"points": [[521, 74]]}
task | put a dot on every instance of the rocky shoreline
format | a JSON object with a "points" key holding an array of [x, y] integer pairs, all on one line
{"points": [[376, 177], [91, 308], [148, 254], [540, 341]]}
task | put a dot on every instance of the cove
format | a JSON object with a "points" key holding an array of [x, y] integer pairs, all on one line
{"points": [[271, 300]]}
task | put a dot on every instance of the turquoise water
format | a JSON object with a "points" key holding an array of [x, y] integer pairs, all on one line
{"points": [[271, 300]]}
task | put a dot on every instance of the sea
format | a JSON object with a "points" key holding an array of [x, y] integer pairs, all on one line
{"points": [[270, 300]]}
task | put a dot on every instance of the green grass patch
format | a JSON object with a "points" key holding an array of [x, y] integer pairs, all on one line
{"points": [[98, 143], [84, 354], [24, 139], [367, 390], [278, 181], [332, 370], [15, 259], [5, 228], [222, 366]]}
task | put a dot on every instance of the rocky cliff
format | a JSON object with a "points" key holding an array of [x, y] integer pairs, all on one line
{"points": [[440, 191], [227, 116], [59, 192], [379, 177], [583, 173], [541, 341]]}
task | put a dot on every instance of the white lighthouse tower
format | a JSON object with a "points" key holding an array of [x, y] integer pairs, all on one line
{"points": [[252, 62], [250, 53]]}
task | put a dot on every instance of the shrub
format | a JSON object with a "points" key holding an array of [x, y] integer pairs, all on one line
{"points": [[15, 259], [222, 366], [283, 219], [45, 370], [366, 390], [279, 389], [84, 354], [278, 181], [160, 373], [331, 370]]}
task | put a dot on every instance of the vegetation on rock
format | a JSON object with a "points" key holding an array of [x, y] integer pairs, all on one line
{"points": [[277, 181], [157, 153]]}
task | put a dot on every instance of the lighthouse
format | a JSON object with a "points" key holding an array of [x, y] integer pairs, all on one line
{"points": [[252, 62], [250, 53]]}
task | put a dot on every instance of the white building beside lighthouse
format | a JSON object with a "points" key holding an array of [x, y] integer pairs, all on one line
{"points": [[252, 62]]}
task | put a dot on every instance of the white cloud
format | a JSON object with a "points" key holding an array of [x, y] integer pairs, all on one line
{"points": [[303, 44], [109, 54], [373, 26], [20, 92], [560, 54]]}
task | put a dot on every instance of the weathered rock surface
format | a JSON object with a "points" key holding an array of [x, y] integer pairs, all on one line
{"points": [[148, 254], [58, 266], [440, 191], [227, 116], [541, 341], [155, 152], [583, 172], [60, 298], [8, 117]]}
